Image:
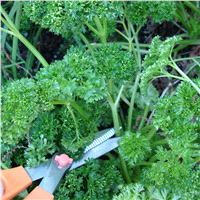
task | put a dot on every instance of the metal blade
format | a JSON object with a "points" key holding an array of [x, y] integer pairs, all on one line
{"points": [[98, 151], [53, 176], [37, 172]]}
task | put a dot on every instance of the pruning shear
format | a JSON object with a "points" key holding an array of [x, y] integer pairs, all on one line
{"points": [[15, 180]]}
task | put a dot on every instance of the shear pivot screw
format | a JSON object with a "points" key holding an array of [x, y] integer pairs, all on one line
{"points": [[63, 160]]}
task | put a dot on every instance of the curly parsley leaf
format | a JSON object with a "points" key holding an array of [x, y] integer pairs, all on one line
{"points": [[94, 180], [158, 10], [22, 101], [134, 147], [155, 63], [69, 17]]}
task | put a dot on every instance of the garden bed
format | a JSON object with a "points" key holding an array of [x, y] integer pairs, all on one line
{"points": [[71, 69]]}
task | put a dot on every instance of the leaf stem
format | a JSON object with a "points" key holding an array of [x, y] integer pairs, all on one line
{"points": [[184, 75], [130, 110], [74, 104], [159, 142], [3, 166], [151, 133], [87, 43], [143, 163], [74, 119], [146, 111], [125, 171], [119, 95]]}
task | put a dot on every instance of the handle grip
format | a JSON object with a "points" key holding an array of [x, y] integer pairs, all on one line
{"points": [[15, 180], [39, 194]]}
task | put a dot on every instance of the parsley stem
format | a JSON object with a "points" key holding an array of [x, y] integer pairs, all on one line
{"points": [[119, 95], [146, 128], [143, 163], [190, 58], [74, 104], [130, 110], [146, 111], [151, 133], [3, 166], [116, 120], [87, 43], [159, 142], [102, 30], [125, 171], [110, 88], [153, 158], [184, 75], [74, 119], [92, 28], [197, 159], [122, 34]]}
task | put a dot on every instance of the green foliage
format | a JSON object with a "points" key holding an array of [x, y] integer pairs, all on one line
{"points": [[42, 138], [6, 158], [134, 147], [69, 99], [37, 151], [74, 141], [76, 76], [138, 192], [171, 166], [22, 101], [160, 50], [158, 10], [52, 131], [150, 98], [188, 14], [114, 63], [66, 17], [81, 75], [178, 117], [186, 185], [95, 180], [156, 61]]}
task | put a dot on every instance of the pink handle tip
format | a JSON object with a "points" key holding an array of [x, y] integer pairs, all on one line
{"points": [[63, 160]]}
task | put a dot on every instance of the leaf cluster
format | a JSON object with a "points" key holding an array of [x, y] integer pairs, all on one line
{"points": [[69, 17], [81, 75], [186, 185], [27, 103], [52, 131], [22, 101], [114, 63], [134, 147], [178, 117], [188, 15], [156, 61], [42, 138], [76, 76], [138, 11], [137, 191], [95, 180], [74, 141]]}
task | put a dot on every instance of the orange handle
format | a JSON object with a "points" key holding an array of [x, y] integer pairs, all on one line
{"points": [[39, 194], [15, 180]]}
